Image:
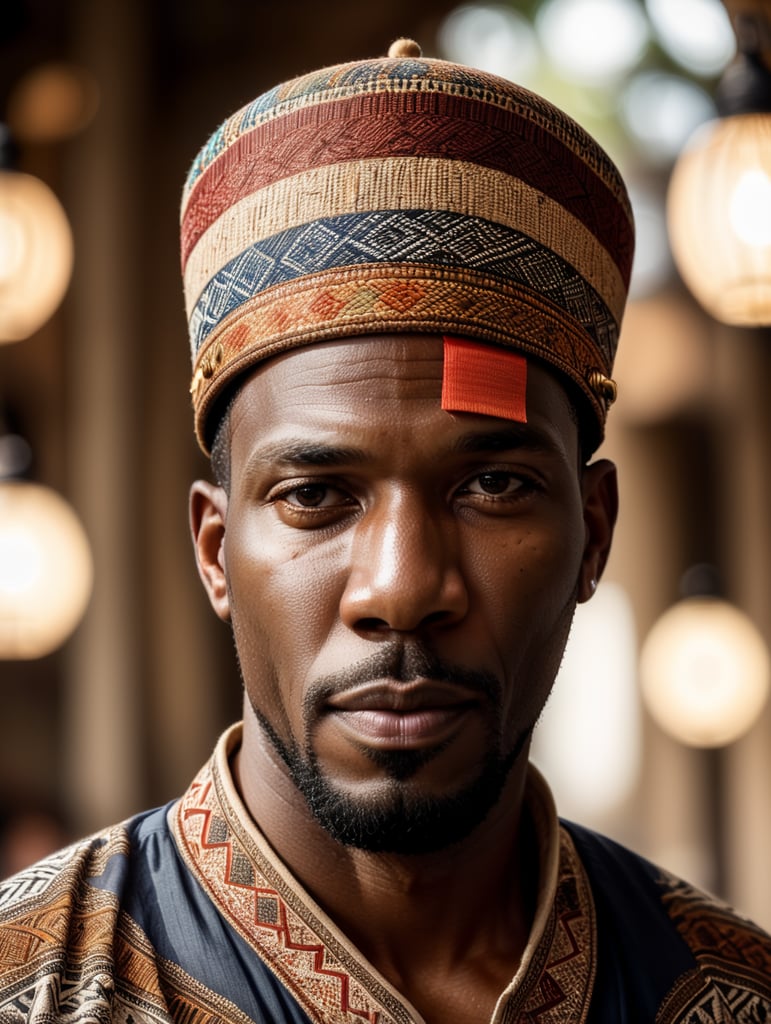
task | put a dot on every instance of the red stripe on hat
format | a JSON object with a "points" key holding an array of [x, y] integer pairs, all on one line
{"points": [[409, 124], [484, 379]]}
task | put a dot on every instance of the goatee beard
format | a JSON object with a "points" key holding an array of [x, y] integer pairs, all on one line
{"points": [[393, 818]]}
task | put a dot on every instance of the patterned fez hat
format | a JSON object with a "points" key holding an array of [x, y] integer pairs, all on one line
{"points": [[403, 194]]}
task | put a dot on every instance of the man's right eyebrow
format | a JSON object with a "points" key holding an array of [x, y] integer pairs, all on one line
{"points": [[298, 453]]}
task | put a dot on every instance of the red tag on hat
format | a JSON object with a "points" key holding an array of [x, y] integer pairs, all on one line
{"points": [[484, 379]]}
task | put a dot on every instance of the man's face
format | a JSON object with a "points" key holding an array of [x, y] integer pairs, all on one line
{"points": [[401, 580]]}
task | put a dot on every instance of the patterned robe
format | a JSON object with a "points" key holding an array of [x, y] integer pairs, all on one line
{"points": [[186, 914]]}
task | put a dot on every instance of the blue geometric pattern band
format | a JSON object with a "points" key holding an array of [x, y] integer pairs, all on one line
{"points": [[427, 237]]}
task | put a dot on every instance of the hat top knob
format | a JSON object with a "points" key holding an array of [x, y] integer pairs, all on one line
{"points": [[404, 48]]}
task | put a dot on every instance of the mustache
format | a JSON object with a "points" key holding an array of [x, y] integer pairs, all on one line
{"points": [[402, 663]]}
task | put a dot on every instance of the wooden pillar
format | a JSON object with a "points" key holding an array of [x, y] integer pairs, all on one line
{"points": [[745, 455], [102, 733]]}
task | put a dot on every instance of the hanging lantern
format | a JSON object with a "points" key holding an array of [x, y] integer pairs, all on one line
{"points": [[719, 202], [704, 672], [35, 253], [45, 570]]}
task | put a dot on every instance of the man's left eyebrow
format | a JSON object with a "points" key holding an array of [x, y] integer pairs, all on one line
{"points": [[516, 437]]}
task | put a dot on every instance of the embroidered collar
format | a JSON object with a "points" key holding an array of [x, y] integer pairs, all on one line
{"points": [[326, 974]]}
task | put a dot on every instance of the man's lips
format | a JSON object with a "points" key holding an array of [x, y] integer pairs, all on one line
{"points": [[413, 715]]}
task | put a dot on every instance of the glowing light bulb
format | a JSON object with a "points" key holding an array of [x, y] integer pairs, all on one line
{"points": [[35, 254], [704, 671], [749, 208], [45, 570], [719, 217]]}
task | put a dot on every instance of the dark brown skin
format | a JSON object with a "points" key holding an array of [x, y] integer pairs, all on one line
{"points": [[406, 533]]}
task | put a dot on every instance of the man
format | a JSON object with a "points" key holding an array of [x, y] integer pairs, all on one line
{"points": [[404, 282]]}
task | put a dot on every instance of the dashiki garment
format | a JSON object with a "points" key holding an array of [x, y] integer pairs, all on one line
{"points": [[185, 914]]}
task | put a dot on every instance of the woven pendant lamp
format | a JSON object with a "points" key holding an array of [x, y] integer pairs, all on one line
{"points": [[719, 203]]}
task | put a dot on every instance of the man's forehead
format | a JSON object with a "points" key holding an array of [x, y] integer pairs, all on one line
{"points": [[397, 356], [327, 378]]}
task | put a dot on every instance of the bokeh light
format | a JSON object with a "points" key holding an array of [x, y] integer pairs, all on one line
{"points": [[52, 102], [35, 254], [661, 111], [719, 213], [492, 38], [652, 261], [594, 41], [588, 741], [45, 570], [704, 672], [695, 33]]}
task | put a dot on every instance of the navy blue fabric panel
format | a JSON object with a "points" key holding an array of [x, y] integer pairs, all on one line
{"points": [[640, 952], [185, 927]]}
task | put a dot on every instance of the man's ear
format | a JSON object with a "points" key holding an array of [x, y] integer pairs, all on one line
{"points": [[599, 487], [208, 515]]}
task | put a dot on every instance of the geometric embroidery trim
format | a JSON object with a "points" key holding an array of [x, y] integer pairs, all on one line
{"points": [[559, 983], [714, 931], [51, 908], [153, 990], [696, 999], [292, 949], [733, 979], [35, 881]]}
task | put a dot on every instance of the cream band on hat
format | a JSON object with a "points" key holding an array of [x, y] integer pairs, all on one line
{"points": [[403, 194]]}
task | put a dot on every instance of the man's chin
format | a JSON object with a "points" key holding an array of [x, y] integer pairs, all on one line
{"points": [[398, 822], [394, 816]]}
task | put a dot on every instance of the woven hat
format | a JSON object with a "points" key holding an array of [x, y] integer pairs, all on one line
{"points": [[403, 194]]}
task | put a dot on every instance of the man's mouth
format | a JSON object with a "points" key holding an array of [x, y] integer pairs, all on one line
{"points": [[412, 715]]}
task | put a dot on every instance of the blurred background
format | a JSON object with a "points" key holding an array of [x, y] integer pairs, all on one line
{"points": [[115, 677]]}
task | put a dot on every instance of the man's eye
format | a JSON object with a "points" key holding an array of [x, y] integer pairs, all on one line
{"points": [[312, 496], [494, 484], [316, 496]]}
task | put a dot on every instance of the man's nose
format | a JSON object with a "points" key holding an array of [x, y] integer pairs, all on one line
{"points": [[405, 573]]}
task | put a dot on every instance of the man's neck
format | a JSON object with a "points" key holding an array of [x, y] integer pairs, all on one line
{"points": [[425, 922]]}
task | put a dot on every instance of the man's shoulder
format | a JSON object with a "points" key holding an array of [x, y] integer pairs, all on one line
{"points": [[61, 875], [658, 924], [75, 872], [58, 919]]}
